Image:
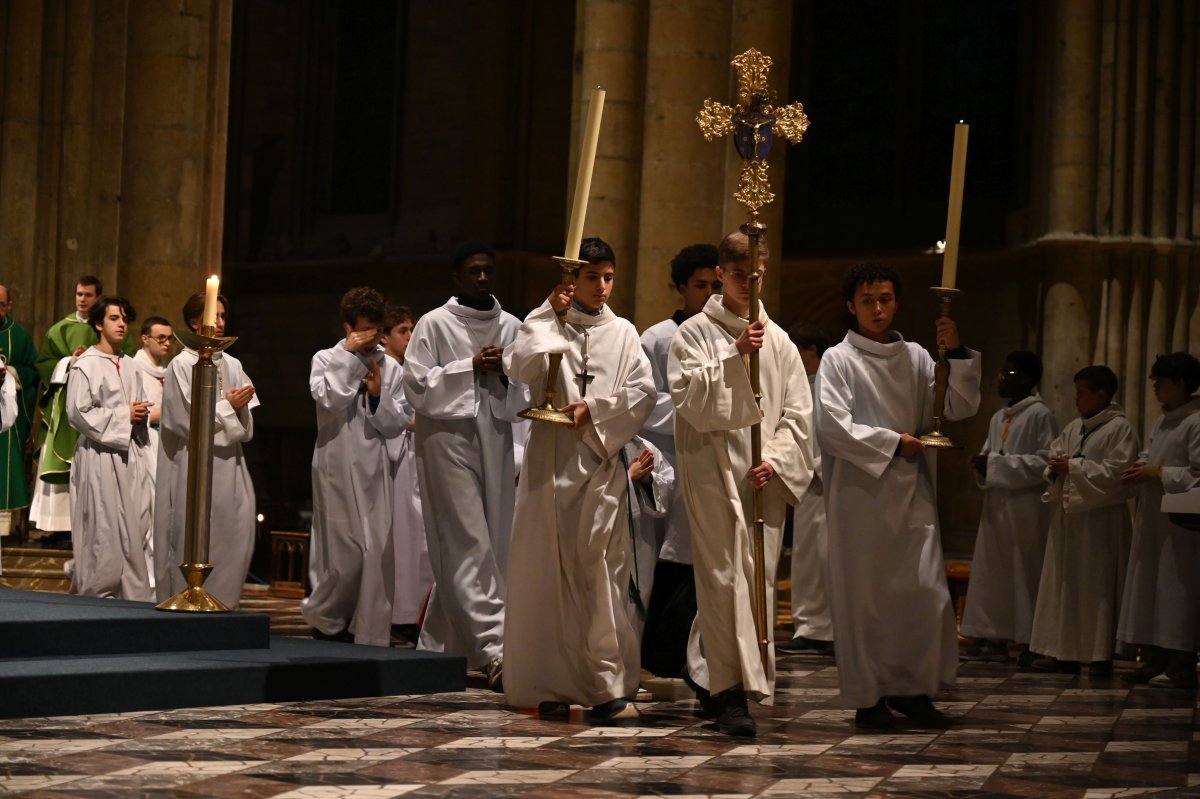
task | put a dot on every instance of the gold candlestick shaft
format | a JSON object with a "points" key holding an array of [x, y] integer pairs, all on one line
{"points": [[936, 438], [548, 411], [196, 568]]}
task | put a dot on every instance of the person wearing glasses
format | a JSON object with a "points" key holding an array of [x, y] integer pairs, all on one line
{"points": [[152, 358]]}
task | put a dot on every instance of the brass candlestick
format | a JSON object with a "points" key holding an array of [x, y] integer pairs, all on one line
{"points": [[936, 438], [548, 411], [196, 567]]}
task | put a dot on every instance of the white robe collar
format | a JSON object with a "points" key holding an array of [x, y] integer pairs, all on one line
{"points": [[1113, 411], [458, 309], [891, 349], [577, 317], [149, 366], [1191, 406], [1024, 405], [715, 309]]}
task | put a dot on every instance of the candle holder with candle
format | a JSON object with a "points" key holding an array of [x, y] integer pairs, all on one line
{"points": [[548, 411], [196, 568], [936, 438]]}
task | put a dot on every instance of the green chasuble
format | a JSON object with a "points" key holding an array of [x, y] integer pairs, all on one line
{"points": [[16, 348], [56, 432]]}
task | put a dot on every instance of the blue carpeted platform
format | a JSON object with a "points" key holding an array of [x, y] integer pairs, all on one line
{"points": [[69, 655]]}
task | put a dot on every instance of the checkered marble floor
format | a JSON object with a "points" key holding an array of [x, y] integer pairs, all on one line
{"points": [[1018, 734]]}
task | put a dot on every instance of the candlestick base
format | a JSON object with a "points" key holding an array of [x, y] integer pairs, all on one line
{"points": [[194, 599], [938, 440], [547, 413]]}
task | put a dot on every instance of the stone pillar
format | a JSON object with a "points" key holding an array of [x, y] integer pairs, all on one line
{"points": [[1073, 140], [683, 186], [611, 40], [113, 151]]}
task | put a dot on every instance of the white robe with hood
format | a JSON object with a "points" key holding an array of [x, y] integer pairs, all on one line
{"points": [[569, 636], [893, 623]]}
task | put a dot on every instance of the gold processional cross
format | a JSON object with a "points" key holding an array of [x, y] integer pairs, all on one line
{"points": [[751, 122]]}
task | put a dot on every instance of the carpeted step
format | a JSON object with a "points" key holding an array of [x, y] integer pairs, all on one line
{"points": [[36, 624], [288, 670]]}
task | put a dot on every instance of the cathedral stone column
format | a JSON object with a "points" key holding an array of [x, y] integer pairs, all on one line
{"points": [[611, 39], [113, 151]]}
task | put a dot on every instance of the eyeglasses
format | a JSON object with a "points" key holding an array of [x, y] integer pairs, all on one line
{"points": [[159, 339]]}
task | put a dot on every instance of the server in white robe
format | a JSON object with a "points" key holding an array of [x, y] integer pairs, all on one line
{"points": [[414, 575], [892, 618], [153, 358], [1011, 542], [453, 376], [110, 501], [812, 625], [672, 605], [1161, 603], [1087, 550], [715, 409], [651, 489], [357, 392], [568, 635], [232, 516]]}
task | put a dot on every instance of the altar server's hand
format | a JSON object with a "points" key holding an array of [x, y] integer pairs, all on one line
{"points": [[910, 446], [363, 341], [139, 411], [560, 298], [947, 333], [579, 411], [489, 359], [751, 338], [238, 397], [1141, 472], [1060, 465], [760, 474], [642, 467], [78, 351], [374, 378]]}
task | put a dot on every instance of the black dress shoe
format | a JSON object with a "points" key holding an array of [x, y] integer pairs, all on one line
{"points": [[613, 710], [875, 717], [920, 710], [708, 705], [800, 645], [733, 716]]}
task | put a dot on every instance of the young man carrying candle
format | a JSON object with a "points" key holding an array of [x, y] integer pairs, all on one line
{"points": [[892, 617], [110, 495], [715, 407], [358, 395], [454, 378], [232, 516], [569, 636]]}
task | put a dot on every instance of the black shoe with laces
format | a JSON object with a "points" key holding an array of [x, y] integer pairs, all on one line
{"points": [[708, 705], [733, 716]]}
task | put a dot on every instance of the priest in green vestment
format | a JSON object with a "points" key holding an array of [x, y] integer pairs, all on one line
{"points": [[17, 350]]}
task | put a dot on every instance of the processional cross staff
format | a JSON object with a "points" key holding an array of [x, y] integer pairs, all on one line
{"points": [[752, 122]]}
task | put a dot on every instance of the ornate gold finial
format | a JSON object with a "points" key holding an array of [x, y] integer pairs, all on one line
{"points": [[751, 122]]}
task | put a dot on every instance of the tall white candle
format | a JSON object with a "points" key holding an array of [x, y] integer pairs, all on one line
{"points": [[583, 181], [210, 302], [958, 174]]}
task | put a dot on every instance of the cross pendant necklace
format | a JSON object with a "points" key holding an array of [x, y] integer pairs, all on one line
{"points": [[583, 377]]}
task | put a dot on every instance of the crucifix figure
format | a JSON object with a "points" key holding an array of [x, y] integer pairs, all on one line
{"points": [[583, 377]]}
